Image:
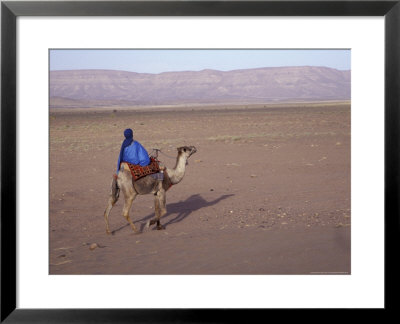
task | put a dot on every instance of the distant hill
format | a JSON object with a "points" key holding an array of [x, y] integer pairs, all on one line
{"points": [[83, 88]]}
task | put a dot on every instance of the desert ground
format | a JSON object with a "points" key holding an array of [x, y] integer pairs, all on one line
{"points": [[268, 191]]}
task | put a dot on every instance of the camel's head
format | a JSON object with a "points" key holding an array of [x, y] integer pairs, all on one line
{"points": [[187, 151]]}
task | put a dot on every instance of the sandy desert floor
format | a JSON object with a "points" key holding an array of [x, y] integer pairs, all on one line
{"points": [[268, 191]]}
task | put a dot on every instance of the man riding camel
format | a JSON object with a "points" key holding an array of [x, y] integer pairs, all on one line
{"points": [[132, 151]]}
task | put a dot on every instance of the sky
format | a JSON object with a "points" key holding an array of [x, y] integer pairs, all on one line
{"points": [[158, 61]]}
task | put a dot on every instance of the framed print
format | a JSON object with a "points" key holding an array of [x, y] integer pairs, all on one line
{"points": [[282, 117]]}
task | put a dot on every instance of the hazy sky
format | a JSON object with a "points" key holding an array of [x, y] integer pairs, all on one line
{"points": [[156, 61]]}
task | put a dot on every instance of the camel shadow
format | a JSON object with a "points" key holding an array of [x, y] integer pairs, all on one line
{"points": [[184, 208]]}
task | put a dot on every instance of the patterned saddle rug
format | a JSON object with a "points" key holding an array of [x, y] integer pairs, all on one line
{"points": [[139, 171]]}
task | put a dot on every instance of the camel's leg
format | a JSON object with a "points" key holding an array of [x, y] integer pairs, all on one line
{"points": [[156, 211], [125, 183], [159, 208], [127, 206], [162, 209], [110, 205], [114, 194]]}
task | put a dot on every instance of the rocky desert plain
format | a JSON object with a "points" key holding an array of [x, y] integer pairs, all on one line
{"points": [[267, 192]]}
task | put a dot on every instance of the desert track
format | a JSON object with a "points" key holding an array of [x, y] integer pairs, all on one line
{"points": [[268, 191]]}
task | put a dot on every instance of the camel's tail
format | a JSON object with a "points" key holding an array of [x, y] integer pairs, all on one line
{"points": [[114, 195], [114, 190]]}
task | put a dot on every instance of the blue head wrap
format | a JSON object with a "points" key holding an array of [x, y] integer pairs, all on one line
{"points": [[128, 133]]}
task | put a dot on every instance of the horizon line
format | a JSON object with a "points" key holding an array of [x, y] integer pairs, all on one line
{"points": [[206, 69]]}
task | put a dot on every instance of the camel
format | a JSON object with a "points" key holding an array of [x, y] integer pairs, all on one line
{"points": [[147, 185]]}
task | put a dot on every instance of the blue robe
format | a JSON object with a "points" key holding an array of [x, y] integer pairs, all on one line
{"points": [[135, 154]]}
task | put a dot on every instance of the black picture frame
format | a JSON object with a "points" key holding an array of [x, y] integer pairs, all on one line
{"points": [[10, 10]]}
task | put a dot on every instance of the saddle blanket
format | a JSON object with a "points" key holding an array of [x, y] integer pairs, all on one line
{"points": [[139, 171]]}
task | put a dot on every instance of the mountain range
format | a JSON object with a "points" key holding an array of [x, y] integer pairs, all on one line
{"points": [[93, 88]]}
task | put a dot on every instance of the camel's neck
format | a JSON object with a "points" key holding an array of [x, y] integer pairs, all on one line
{"points": [[176, 174]]}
